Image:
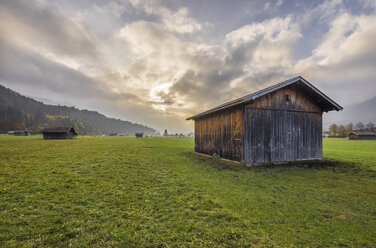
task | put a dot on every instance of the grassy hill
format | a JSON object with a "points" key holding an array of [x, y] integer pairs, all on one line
{"points": [[20, 112], [155, 192]]}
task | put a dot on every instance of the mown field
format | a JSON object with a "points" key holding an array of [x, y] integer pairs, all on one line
{"points": [[155, 192]]}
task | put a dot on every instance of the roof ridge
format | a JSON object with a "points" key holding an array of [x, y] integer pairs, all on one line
{"points": [[264, 91]]}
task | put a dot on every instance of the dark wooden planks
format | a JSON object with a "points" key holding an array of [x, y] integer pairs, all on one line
{"points": [[298, 101], [272, 128], [221, 134], [281, 135]]}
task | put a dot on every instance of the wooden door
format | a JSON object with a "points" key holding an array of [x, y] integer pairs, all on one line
{"points": [[272, 135]]}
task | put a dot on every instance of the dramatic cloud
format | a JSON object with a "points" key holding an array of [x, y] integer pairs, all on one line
{"points": [[40, 28], [268, 44], [158, 62], [346, 57]]}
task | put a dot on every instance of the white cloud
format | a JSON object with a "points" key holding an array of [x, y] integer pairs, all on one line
{"points": [[161, 58], [179, 21], [267, 5], [175, 21], [272, 42], [350, 37], [276, 30], [323, 13], [345, 58]]}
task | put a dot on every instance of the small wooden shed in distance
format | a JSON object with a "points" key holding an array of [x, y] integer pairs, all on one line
{"points": [[362, 135], [139, 135], [279, 123], [59, 133]]}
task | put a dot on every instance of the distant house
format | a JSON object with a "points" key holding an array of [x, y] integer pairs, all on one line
{"points": [[362, 135], [59, 133], [18, 133], [279, 123], [139, 135]]}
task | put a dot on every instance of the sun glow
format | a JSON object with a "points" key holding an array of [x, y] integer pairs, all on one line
{"points": [[157, 100]]}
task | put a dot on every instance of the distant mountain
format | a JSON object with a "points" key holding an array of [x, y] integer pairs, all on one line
{"points": [[21, 112], [362, 112]]}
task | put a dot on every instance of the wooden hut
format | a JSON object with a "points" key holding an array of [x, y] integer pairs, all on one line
{"points": [[59, 133], [362, 135], [19, 133], [279, 123], [139, 135]]}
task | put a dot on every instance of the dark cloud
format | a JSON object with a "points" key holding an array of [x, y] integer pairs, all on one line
{"points": [[42, 25], [20, 66]]}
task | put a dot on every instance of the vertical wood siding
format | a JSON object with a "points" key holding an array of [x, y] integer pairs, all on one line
{"points": [[279, 130], [221, 134], [353, 136], [281, 135], [270, 129], [366, 137], [298, 100]]}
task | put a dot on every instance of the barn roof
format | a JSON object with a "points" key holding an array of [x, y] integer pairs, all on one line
{"points": [[325, 102], [58, 130], [363, 133]]}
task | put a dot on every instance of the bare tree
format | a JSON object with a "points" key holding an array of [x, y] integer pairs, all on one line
{"points": [[359, 126], [350, 126], [370, 127]]}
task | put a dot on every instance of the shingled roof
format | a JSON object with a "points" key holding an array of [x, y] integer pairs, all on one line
{"points": [[324, 101]]}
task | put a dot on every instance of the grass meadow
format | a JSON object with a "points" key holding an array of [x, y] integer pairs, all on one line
{"points": [[155, 192]]}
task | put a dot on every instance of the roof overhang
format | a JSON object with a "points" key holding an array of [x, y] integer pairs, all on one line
{"points": [[326, 103]]}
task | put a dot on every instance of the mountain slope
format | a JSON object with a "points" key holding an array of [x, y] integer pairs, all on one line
{"points": [[362, 112], [20, 112]]}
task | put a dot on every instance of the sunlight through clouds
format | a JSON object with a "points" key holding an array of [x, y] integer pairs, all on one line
{"points": [[157, 62]]}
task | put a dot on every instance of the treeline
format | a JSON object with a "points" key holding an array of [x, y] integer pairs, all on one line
{"points": [[343, 130], [18, 112], [12, 119]]}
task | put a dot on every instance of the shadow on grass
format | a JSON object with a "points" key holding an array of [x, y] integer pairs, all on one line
{"points": [[324, 164]]}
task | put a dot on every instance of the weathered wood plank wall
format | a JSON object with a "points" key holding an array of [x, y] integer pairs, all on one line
{"points": [[277, 129], [299, 101], [221, 133], [281, 126], [281, 135]]}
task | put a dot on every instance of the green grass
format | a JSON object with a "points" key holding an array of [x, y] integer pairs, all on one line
{"points": [[155, 192], [357, 151]]}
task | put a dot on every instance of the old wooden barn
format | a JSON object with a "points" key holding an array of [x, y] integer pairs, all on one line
{"points": [[139, 135], [362, 135], [59, 133], [279, 123]]}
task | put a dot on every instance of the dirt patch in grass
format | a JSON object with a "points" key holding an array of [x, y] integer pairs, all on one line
{"points": [[216, 162]]}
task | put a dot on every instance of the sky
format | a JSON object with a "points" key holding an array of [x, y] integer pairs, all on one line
{"points": [[159, 62]]}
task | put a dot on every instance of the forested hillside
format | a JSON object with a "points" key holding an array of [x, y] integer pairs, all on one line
{"points": [[20, 112]]}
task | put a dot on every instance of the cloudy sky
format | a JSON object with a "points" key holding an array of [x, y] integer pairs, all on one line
{"points": [[158, 62]]}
